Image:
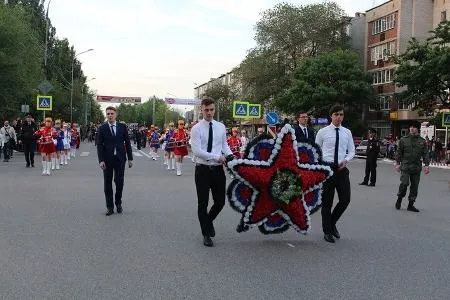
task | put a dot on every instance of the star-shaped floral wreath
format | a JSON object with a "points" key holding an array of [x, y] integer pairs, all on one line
{"points": [[277, 183]]}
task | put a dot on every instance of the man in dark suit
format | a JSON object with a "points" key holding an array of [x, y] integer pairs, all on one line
{"points": [[302, 132], [113, 148], [29, 141]]}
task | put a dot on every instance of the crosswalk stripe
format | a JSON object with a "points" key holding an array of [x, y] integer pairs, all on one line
{"points": [[84, 154], [137, 154]]}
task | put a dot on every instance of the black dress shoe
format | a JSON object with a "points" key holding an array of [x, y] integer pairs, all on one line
{"points": [[372, 184], [329, 238], [363, 183], [32, 165], [207, 241], [412, 208], [28, 165], [119, 209], [212, 231], [109, 212], [335, 232]]}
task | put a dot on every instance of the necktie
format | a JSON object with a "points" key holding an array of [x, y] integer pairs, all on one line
{"points": [[336, 147], [210, 138], [112, 130], [305, 132]]}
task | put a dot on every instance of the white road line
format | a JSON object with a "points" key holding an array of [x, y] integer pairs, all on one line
{"points": [[137, 154], [145, 154], [290, 245], [84, 154]]}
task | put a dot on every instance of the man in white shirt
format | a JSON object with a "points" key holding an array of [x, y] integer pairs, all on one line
{"points": [[210, 147], [338, 149]]}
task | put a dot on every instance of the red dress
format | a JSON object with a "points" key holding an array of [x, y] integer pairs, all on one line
{"points": [[235, 145], [180, 138], [46, 136]]}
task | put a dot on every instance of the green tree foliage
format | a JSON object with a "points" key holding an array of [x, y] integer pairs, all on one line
{"points": [[23, 27], [425, 70], [143, 113], [320, 82], [20, 60], [285, 35]]}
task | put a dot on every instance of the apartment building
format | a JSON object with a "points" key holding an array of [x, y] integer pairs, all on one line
{"points": [[389, 28]]}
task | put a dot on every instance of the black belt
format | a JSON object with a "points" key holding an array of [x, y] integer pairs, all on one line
{"points": [[209, 167]]}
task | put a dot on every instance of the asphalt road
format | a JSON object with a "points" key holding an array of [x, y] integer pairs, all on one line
{"points": [[55, 242]]}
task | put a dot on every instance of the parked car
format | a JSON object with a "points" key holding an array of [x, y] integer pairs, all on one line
{"points": [[362, 148]]}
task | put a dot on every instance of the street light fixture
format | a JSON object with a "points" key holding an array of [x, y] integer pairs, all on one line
{"points": [[71, 87], [85, 102]]}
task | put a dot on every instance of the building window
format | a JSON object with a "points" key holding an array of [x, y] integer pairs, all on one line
{"points": [[383, 51], [403, 105], [444, 16], [385, 102], [383, 24], [383, 76]]}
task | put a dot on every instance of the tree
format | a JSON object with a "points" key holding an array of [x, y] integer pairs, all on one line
{"points": [[320, 82], [20, 58], [285, 35], [143, 113], [424, 70]]}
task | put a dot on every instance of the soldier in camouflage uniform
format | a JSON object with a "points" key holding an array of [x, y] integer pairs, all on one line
{"points": [[412, 150]]}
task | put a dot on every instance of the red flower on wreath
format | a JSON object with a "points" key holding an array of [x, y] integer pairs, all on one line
{"points": [[279, 184]]}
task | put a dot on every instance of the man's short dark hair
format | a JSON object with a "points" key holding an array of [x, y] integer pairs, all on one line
{"points": [[111, 108], [301, 113], [336, 108], [206, 100]]}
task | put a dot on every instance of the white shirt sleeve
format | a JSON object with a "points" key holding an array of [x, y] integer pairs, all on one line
{"points": [[197, 146], [350, 147], [225, 147], [319, 138]]}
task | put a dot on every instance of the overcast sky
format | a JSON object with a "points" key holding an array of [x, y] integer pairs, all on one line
{"points": [[162, 47]]}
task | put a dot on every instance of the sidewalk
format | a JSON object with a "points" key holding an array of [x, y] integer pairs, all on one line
{"points": [[432, 165]]}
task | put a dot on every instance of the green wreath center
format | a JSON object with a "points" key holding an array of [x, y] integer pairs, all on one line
{"points": [[285, 186]]}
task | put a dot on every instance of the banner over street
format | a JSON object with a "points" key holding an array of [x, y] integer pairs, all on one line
{"points": [[116, 99]]}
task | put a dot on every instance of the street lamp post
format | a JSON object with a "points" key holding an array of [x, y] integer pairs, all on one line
{"points": [[71, 87], [85, 102]]}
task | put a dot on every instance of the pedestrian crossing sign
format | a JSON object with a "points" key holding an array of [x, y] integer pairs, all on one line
{"points": [[240, 109], [446, 119], [44, 103], [254, 111]]}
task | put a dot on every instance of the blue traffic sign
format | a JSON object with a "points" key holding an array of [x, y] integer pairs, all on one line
{"points": [[254, 110], [44, 103], [240, 109], [272, 118]]}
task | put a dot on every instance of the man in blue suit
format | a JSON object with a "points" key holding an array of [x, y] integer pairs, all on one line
{"points": [[302, 132], [113, 148]]}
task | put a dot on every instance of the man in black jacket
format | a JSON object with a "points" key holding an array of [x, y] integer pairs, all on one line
{"points": [[372, 152], [28, 140], [302, 132], [113, 149]]}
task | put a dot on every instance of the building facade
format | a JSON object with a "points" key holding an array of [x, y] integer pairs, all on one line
{"points": [[389, 28]]}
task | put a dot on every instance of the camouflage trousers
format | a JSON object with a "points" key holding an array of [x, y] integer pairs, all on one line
{"points": [[405, 179]]}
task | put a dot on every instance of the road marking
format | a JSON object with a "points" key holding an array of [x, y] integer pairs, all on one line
{"points": [[84, 154], [290, 245], [137, 154], [145, 154]]}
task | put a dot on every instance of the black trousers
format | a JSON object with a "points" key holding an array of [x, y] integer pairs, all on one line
{"points": [[209, 178], [29, 147], [114, 168], [340, 182], [371, 170]]}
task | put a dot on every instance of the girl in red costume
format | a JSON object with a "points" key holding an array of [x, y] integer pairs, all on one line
{"points": [[234, 142], [46, 146], [180, 150]]}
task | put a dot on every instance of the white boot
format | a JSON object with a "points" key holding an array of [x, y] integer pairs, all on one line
{"points": [[44, 167], [61, 159], [173, 163], [65, 159], [154, 156], [165, 161], [53, 163], [49, 168], [178, 169], [68, 154], [57, 163]]}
